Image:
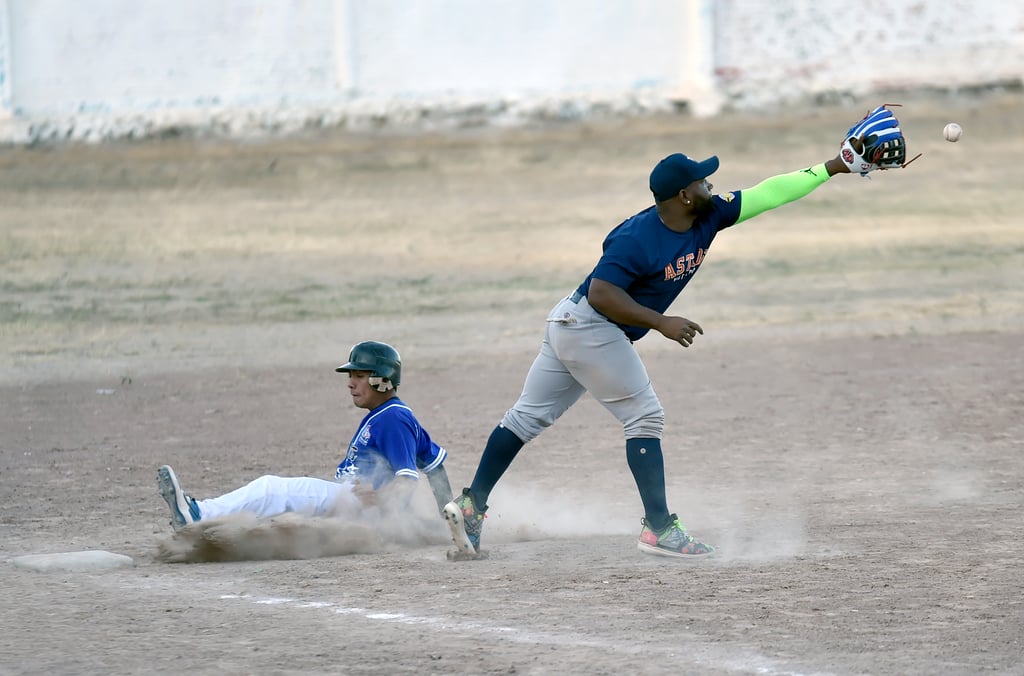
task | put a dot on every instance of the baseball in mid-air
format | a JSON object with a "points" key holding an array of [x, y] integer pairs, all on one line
{"points": [[952, 132]]}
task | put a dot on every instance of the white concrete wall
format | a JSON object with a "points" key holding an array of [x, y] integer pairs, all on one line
{"points": [[512, 47], [129, 55], [771, 51], [97, 69]]}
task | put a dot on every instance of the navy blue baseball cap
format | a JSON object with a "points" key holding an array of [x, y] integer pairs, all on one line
{"points": [[677, 171]]}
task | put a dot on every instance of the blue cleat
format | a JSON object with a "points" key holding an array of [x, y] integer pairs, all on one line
{"points": [[184, 509]]}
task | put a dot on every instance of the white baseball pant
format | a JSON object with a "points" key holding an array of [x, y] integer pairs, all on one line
{"points": [[273, 495]]}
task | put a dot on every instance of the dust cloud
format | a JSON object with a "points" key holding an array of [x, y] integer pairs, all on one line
{"points": [[525, 515], [245, 537]]}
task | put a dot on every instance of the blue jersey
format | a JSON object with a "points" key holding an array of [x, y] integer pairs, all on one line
{"points": [[653, 263], [390, 442]]}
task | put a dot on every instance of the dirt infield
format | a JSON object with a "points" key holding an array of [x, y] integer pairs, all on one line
{"points": [[848, 431]]}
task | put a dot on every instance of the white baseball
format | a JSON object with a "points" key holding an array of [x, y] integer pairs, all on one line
{"points": [[952, 132]]}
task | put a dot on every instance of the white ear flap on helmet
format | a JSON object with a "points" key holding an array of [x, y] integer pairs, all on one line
{"points": [[380, 384]]}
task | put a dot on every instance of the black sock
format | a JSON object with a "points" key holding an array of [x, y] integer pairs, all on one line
{"points": [[648, 466], [501, 450]]}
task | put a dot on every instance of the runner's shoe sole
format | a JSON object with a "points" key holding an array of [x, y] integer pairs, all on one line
{"points": [[170, 490], [457, 525]]}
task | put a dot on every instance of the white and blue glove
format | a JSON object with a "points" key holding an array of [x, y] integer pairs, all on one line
{"points": [[876, 142]]}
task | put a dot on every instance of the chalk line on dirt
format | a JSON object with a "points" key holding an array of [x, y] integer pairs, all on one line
{"points": [[742, 659]]}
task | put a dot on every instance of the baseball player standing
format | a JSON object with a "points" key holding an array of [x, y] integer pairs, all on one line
{"points": [[647, 260], [382, 465]]}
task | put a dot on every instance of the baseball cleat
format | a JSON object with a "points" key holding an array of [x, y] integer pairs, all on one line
{"points": [[465, 523], [184, 509], [672, 541]]}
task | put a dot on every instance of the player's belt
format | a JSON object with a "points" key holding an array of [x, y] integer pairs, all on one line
{"points": [[576, 297]]}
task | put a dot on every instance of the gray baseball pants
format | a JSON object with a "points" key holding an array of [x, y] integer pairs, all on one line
{"points": [[582, 352]]}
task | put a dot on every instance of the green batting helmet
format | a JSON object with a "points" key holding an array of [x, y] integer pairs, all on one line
{"points": [[380, 359]]}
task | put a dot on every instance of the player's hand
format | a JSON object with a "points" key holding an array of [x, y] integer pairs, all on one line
{"points": [[365, 493], [680, 329]]}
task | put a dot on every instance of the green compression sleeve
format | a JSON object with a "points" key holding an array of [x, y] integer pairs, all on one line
{"points": [[778, 190]]}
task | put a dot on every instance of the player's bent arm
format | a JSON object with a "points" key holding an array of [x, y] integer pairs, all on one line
{"points": [[773, 192], [617, 305], [394, 495]]}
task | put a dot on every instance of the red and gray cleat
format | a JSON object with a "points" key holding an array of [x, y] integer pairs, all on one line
{"points": [[673, 540]]}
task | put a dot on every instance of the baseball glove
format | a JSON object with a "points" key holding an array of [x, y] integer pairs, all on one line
{"points": [[876, 142]]}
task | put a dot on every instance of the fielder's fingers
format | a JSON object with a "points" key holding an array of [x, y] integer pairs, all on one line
{"points": [[689, 335]]}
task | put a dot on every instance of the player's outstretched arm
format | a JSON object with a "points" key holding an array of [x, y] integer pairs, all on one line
{"points": [[875, 142], [773, 192]]}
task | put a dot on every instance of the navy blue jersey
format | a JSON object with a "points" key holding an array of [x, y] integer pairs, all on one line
{"points": [[390, 442], [653, 263]]}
